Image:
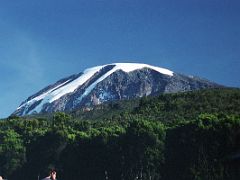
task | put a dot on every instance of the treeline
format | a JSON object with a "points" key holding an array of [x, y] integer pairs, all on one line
{"points": [[205, 148], [202, 144], [189, 105], [168, 107]]}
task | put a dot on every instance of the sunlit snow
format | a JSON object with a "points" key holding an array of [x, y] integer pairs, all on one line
{"points": [[61, 90]]}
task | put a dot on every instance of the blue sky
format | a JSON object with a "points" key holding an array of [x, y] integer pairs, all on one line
{"points": [[44, 41]]}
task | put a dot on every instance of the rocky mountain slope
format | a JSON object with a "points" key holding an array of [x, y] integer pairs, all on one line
{"points": [[107, 83]]}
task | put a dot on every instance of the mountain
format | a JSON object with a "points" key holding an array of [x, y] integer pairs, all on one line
{"points": [[106, 83]]}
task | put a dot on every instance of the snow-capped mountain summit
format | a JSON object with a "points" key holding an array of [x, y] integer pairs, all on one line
{"points": [[106, 83]]}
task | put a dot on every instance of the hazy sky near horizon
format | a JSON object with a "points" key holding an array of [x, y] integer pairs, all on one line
{"points": [[44, 41]]}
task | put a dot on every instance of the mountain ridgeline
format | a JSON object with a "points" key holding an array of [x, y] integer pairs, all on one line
{"points": [[119, 81]]}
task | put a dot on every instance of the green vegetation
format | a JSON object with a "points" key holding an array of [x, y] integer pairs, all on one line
{"points": [[189, 105], [194, 135], [168, 108]]}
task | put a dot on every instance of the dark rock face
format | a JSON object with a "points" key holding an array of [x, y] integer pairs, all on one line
{"points": [[116, 86]]}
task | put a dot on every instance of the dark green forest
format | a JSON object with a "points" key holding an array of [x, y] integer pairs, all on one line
{"points": [[190, 135]]}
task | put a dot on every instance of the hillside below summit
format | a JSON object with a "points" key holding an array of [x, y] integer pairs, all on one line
{"points": [[106, 83]]}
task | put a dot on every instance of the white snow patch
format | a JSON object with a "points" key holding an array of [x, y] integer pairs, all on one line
{"points": [[55, 93], [127, 67], [104, 96], [41, 96], [60, 90]]}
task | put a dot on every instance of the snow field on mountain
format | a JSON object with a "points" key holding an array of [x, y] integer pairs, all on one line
{"points": [[65, 88]]}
